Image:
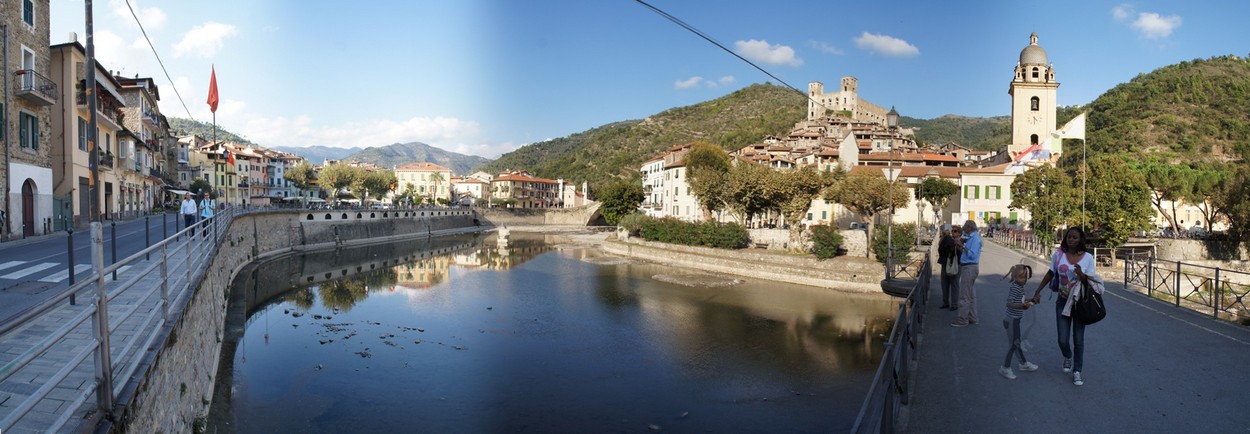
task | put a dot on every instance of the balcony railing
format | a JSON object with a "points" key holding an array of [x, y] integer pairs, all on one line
{"points": [[151, 118], [111, 110], [243, 185], [106, 160], [35, 88], [154, 172]]}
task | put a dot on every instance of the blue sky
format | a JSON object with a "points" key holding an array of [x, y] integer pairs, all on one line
{"points": [[485, 77]]}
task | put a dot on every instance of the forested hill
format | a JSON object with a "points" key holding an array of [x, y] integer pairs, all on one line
{"points": [[619, 149], [1196, 110], [185, 127]]}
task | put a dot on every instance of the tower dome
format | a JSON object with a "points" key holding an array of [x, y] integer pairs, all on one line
{"points": [[1033, 54]]}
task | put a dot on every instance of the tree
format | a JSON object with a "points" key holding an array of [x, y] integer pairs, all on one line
{"points": [[866, 193], [618, 199], [1234, 199], [302, 175], [706, 168], [1117, 199], [1209, 182], [749, 190], [377, 183], [437, 177], [1167, 182], [200, 186], [336, 177], [794, 191], [937, 192], [1046, 193]]}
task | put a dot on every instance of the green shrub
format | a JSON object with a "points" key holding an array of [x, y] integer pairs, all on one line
{"points": [[904, 238], [826, 241], [710, 234], [633, 223]]}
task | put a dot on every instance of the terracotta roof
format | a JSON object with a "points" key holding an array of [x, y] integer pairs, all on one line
{"points": [[424, 167], [524, 178], [997, 169]]}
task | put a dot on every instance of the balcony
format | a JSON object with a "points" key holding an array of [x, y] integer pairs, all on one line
{"points": [[35, 88], [106, 161], [243, 185], [154, 172], [110, 111], [151, 118]]}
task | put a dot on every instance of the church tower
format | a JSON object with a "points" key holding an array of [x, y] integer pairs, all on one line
{"points": [[1033, 100]]}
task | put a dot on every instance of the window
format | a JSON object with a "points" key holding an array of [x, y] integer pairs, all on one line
{"points": [[823, 215], [1035, 72], [1034, 103], [82, 134], [994, 190], [972, 192], [809, 216], [29, 134], [28, 12]]}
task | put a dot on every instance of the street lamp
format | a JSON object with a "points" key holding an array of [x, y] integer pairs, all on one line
{"points": [[891, 174]]}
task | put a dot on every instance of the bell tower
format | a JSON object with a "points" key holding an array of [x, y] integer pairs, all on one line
{"points": [[1033, 100]]}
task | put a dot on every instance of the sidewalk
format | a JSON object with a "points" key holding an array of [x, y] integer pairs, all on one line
{"points": [[1149, 366]]}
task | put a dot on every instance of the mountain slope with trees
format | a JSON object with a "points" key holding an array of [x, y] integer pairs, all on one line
{"points": [[399, 154], [617, 150]]}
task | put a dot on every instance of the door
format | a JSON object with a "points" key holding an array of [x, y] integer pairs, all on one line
{"points": [[28, 208]]}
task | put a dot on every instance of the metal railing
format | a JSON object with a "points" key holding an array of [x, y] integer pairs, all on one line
{"points": [[29, 81], [1222, 292], [120, 310], [889, 389]]}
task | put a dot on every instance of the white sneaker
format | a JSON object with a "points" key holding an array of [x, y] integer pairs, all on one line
{"points": [[1006, 373], [1027, 367], [1076, 378], [1067, 365]]}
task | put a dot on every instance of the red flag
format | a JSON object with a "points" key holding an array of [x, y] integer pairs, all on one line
{"points": [[212, 91], [229, 157]]}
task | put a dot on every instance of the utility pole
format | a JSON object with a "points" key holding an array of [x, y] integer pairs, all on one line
{"points": [[92, 130]]}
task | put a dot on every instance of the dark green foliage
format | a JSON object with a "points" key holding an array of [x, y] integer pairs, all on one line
{"points": [[633, 222], [617, 151], [709, 234], [183, 127], [826, 241], [904, 237], [619, 199], [985, 134]]}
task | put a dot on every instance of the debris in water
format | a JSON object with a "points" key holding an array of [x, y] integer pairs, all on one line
{"points": [[458, 347], [366, 354], [654, 427], [318, 367]]}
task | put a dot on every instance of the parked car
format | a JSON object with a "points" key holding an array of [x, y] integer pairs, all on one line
{"points": [[857, 226]]}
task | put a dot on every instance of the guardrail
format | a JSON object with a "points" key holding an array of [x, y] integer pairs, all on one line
{"points": [[1201, 288], [113, 324], [889, 389]]}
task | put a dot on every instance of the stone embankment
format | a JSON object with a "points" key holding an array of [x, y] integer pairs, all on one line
{"points": [[850, 274]]}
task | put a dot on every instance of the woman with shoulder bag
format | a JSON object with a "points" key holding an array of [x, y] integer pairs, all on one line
{"points": [[1070, 265], [948, 258]]}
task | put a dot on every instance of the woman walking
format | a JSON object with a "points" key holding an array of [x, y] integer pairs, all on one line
{"points": [[1070, 265]]}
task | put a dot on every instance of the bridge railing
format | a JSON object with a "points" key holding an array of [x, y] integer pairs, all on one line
{"points": [[890, 389], [102, 326], [1222, 292]]}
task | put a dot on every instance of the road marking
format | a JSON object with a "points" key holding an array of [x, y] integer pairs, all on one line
{"points": [[11, 264], [29, 271], [64, 274]]}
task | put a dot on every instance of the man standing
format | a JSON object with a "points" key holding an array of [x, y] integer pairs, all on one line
{"points": [[948, 249], [207, 207], [969, 267], [188, 212]]}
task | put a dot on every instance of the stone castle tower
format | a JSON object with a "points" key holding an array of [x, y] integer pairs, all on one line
{"points": [[845, 99], [1033, 99]]}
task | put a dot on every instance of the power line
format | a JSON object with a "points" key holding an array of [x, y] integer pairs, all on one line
{"points": [[158, 60], [692, 29]]}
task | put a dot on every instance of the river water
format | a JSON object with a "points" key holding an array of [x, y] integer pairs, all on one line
{"points": [[462, 334]]}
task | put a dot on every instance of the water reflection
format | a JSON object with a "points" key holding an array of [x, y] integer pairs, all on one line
{"points": [[461, 335]]}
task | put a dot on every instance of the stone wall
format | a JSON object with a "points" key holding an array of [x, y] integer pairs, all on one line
{"points": [[579, 216], [843, 273], [174, 387], [1198, 250]]}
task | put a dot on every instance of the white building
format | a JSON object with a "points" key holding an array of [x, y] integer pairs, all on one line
{"points": [[653, 187]]}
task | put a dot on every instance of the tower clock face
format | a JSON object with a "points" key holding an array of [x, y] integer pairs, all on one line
{"points": [[1035, 119]]}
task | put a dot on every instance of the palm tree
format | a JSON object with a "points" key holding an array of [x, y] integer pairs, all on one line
{"points": [[436, 177]]}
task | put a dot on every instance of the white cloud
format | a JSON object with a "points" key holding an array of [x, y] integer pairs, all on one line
{"points": [[726, 80], [1122, 12], [688, 83], [204, 40], [825, 48], [1154, 26], [763, 52], [152, 18], [886, 45]]}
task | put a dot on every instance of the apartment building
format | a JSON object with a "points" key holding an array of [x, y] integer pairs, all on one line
{"points": [[428, 181], [527, 190], [28, 207], [142, 155]]}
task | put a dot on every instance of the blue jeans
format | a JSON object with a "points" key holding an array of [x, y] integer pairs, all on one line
{"points": [[1069, 328]]}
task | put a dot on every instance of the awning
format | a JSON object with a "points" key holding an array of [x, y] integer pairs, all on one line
{"points": [[177, 192]]}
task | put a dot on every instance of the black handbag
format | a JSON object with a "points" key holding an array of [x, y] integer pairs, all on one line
{"points": [[1089, 308]]}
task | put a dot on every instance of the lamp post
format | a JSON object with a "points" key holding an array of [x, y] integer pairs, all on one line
{"points": [[891, 174]]}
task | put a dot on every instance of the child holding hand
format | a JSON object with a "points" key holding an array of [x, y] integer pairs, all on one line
{"points": [[1016, 305]]}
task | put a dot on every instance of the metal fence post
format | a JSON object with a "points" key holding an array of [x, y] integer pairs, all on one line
{"points": [[165, 279], [1216, 294], [103, 355], [73, 299], [147, 235], [164, 226], [113, 234], [1177, 283], [1150, 274]]}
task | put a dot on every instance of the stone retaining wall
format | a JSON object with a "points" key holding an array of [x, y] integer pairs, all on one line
{"points": [[579, 216], [843, 273], [175, 386]]}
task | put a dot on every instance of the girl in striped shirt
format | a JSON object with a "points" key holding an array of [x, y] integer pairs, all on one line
{"points": [[1016, 305]]}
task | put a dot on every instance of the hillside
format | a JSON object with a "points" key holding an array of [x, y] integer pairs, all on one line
{"points": [[400, 154], [184, 127], [983, 134], [619, 149], [1191, 111]]}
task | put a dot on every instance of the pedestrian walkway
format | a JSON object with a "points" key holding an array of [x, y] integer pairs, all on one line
{"points": [[34, 362], [1149, 366]]}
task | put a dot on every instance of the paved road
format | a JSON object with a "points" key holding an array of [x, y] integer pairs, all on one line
{"points": [[1149, 367]]}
